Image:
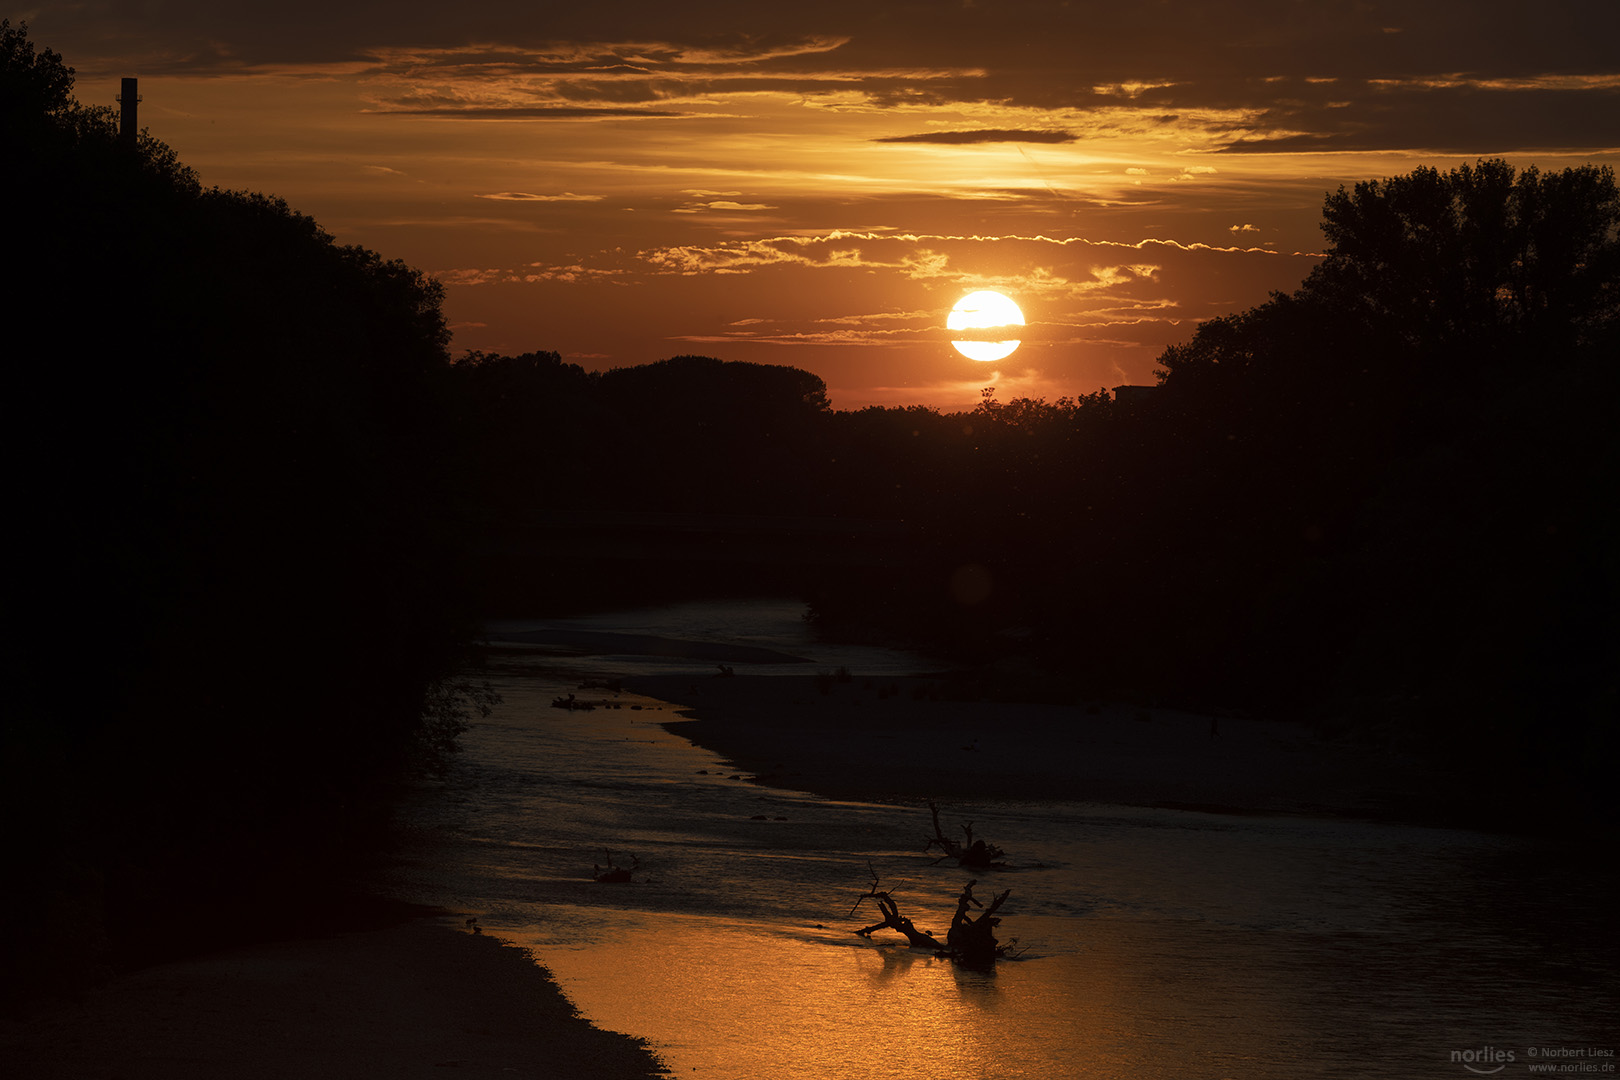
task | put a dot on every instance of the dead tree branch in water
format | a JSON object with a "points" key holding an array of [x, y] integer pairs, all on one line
{"points": [[970, 941], [975, 853], [973, 940], [612, 874], [892, 919]]}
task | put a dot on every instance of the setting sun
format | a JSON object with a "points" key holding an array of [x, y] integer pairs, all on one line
{"points": [[985, 310]]}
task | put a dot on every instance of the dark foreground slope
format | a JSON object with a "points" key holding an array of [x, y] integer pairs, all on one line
{"points": [[418, 999]]}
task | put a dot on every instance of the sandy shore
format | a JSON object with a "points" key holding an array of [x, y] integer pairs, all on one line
{"points": [[422, 999], [887, 738]]}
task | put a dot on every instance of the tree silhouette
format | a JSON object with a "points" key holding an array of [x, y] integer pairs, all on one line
{"points": [[1429, 407], [33, 85], [699, 433], [1477, 262], [528, 426], [1435, 279], [230, 452]]}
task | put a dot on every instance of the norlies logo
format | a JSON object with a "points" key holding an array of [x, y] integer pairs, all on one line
{"points": [[1484, 1061]]}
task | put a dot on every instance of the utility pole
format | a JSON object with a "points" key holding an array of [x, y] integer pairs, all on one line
{"points": [[127, 100]]}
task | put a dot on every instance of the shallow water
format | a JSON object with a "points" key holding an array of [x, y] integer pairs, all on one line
{"points": [[1153, 943]]}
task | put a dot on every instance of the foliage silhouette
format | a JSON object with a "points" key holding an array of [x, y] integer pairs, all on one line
{"points": [[734, 430], [1412, 528], [231, 440], [34, 84]]}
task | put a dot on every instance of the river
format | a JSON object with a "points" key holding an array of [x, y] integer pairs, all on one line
{"points": [[1151, 943]]}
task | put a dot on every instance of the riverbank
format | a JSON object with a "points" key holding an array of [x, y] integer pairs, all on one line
{"points": [[904, 738], [419, 997], [423, 999]]}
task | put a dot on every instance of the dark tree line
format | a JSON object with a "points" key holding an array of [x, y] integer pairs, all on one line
{"points": [[685, 434], [233, 595], [1419, 449]]}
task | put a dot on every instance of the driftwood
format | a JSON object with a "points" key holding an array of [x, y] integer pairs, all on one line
{"points": [[612, 874], [971, 941], [975, 853], [892, 919], [578, 704]]}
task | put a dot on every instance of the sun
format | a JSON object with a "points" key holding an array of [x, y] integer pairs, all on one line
{"points": [[984, 310]]}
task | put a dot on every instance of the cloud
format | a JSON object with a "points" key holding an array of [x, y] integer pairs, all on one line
{"points": [[923, 256], [721, 204], [570, 274], [1439, 114], [986, 135], [879, 317], [524, 196], [468, 276], [801, 337], [527, 112]]}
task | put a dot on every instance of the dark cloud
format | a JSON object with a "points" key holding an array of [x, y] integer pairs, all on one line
{"points": [[1454, 119], [523, 112], [1035, 45], [989, 135], [526, 196], [1312, 75]]}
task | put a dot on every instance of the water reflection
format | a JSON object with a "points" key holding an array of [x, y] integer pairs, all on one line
{"points": [[1160, 944], [734, 1005]]}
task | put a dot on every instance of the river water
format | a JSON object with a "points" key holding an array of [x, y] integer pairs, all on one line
{"points": [[1151, 943]]}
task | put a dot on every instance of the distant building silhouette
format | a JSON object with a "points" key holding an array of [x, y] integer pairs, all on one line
{"points": [[127, 100], [1128, 392]]}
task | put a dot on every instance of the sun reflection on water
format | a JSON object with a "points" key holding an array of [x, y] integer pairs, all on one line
{"points": [[806, 1005]]}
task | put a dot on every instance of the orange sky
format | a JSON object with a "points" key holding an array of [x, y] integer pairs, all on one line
{"points": [[633, 181]]}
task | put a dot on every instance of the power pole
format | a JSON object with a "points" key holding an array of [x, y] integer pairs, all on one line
{"points": [[127, 100]]}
